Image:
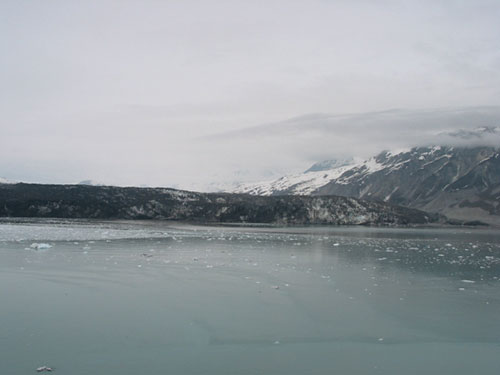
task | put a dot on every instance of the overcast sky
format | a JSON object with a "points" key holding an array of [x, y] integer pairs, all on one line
{"points": [[187, 93]]}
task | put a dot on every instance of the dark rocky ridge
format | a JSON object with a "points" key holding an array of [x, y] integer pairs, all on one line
{"points": [[108, 202], [458, 182]]}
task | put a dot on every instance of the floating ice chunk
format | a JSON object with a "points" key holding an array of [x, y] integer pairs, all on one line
{"points": [[468, 281], [44, 368], [40, 246]]}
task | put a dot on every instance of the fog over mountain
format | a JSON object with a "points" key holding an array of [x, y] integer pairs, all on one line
{"points": [[218, 161], [196, 95], [297, 143]]}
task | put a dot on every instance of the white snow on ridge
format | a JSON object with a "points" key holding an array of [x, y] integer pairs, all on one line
{"points": [[310, 181], [398, 151], [372, 165], [300, 184]]}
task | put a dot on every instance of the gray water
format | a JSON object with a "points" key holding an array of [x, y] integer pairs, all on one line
{"points": [[150, 298]]}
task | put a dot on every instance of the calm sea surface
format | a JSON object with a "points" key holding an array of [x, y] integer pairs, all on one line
{"points": [[149, 298]]}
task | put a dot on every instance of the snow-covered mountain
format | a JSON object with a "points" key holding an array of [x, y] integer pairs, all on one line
{"points": [[460, 182], [314, 178], [298, 184]]}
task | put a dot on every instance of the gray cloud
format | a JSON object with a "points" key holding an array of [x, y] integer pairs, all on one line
{"points": [[294, 144]]}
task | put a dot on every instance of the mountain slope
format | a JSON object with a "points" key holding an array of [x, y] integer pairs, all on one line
{"points": [[298, 184], [108, 202], [459, 182], [440, 179]]}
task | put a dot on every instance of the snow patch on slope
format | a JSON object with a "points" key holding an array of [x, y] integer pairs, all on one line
{"points": [[299, 184]]}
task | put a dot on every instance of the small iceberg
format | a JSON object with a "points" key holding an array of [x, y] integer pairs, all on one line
{"points": [[44, 368], [40, 246]]}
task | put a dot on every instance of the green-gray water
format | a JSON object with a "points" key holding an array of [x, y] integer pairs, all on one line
{"points": [[148, 298]]}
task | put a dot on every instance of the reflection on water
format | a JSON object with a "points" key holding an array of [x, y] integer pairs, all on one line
{"points": [[127, 298]]}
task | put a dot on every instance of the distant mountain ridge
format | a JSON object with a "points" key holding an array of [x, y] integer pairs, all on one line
{"points": [[459, 182], [111, 202]]}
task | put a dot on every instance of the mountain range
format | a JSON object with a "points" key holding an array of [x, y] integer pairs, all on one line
{"points": [[459, 182]]}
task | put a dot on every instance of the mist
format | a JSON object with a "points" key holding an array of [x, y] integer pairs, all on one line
{"points": [[199, 94]]}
